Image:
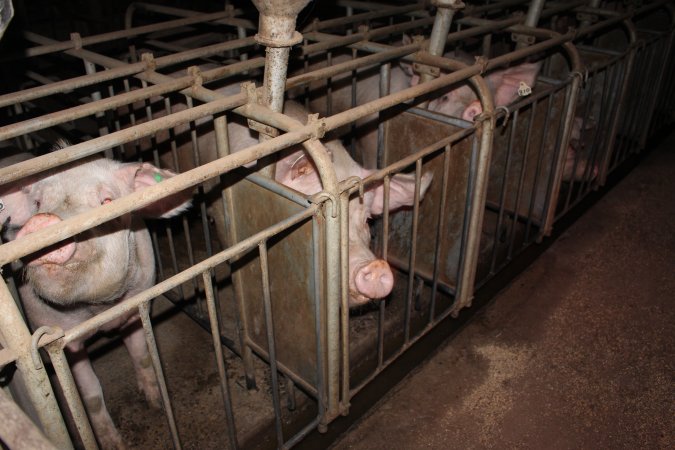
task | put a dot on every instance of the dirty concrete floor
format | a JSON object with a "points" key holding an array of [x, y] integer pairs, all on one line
{"points": [[577, 352]]}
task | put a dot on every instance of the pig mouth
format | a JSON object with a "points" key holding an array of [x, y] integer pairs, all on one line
{"points": [[357, 298]]}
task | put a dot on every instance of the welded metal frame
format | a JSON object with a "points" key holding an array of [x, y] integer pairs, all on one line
{"points": [[335, 391]]}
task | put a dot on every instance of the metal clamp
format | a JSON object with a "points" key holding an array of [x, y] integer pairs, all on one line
{"points": [[77, 40], [319, 130], [354, 181], [482, 61], [522, 38], [149, 59], [507, 113], [426, 69], [295, 38], [35, 340], [253, 97], [326, 196], [196, 74]]}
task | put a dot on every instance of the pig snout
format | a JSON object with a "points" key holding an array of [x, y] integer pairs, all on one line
{"points": [[57, 254], [374, 280]]}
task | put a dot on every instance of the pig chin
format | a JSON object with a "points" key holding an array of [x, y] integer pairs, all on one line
{"points": [[66, 284]]}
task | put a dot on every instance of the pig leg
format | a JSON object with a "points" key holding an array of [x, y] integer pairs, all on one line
{"points": [[92, 396], [134, 340]]}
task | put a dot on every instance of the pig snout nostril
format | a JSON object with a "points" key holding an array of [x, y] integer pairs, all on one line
{"points": [[375, 279]]}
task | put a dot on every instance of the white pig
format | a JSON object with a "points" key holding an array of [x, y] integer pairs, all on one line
{"points": [[82, 276], [369, 277]]}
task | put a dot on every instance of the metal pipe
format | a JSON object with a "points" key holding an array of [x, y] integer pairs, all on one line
{"points": [[445, 11], [18, 339], [276, 30], [18, 431]]}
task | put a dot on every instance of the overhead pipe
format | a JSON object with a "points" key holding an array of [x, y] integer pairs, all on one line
{"points": [[445, 11], [276, 31], [531, 20]]}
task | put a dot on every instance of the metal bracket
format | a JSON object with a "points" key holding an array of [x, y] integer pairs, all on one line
{"points": [[354, 181], [253, 95], [295, 38], [425, 69], [325, 196], [35, 340], [77, 40], [149, 59], [319, 125], [196, 74], [522, 38]]}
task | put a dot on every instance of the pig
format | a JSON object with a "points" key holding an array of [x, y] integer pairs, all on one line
{"points": [[504, 85], [458, 100], [15, 207], [369, 277], [80, 277]]}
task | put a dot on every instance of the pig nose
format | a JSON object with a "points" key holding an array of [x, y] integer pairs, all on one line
{"points": [[375, 279], [56, 254]]}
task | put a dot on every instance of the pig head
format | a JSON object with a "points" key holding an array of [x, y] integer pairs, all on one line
{"points": [[75, 279], [504, 86]]}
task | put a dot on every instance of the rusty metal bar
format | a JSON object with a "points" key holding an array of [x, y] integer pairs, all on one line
{"points": [[121, 34], [18, 339], [144, 313], [440, 226], [271, 346], [18, 432], [220, 360], [231, 19]]}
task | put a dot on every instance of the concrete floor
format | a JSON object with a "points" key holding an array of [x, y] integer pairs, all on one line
{"points": [[577, 352]]}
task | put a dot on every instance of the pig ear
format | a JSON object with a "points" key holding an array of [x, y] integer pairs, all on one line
{"points": [[141, 175], [298, 172], [401, 192]]}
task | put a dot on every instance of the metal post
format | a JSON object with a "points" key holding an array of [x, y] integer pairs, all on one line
{"points": [[276, 30], [439, 33], [533, 14], [18, 339]]}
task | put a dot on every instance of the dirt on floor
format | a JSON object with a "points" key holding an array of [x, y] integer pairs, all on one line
{"points": [[577, 352]]}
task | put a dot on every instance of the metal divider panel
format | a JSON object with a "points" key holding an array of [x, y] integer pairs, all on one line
{"points": [[404, 134], [291, 278]]}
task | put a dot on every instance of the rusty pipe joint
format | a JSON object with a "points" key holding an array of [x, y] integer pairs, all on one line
{"points": [[276, 26]]}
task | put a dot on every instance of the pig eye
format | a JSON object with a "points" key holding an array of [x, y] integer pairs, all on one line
{"points": [[106, 200], [37, 204]]}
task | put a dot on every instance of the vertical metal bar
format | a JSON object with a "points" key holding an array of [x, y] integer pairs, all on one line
{"points": [[271, 348], [220, 360], [413, 248], [344, 300], [144, 313], [24, 433], [502, 194], [223, 149], [385, 82], [385, 251], [18, 339], [70, 392], [473, 224], [657, 86], [440, 228], [521, 180], [90, 68], [319, 322]]}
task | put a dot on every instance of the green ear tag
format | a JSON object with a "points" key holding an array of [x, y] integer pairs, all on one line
{"points": [[158, 177]]}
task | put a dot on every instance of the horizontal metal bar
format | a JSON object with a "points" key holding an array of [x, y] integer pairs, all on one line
{"points": [[383, 12], [122, 308], [121, 34]]}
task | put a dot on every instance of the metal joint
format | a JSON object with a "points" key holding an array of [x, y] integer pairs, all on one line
{"points": [[77, 40], [507, 113], [425, 69], [196, 74], [449, 4], [521, 38], [319, 130], [35, 340], [364, 30], [324, 196], [229, 9], [354, 181], [482, 61], [253, 97], [149, 59], [295, 39]]}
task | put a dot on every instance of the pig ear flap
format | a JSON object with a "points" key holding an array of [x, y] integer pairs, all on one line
{"points": [[143, 175], [401, 192]]}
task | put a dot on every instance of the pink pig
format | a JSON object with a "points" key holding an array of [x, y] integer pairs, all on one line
{"points": [[369, 277], [98, 268]]}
